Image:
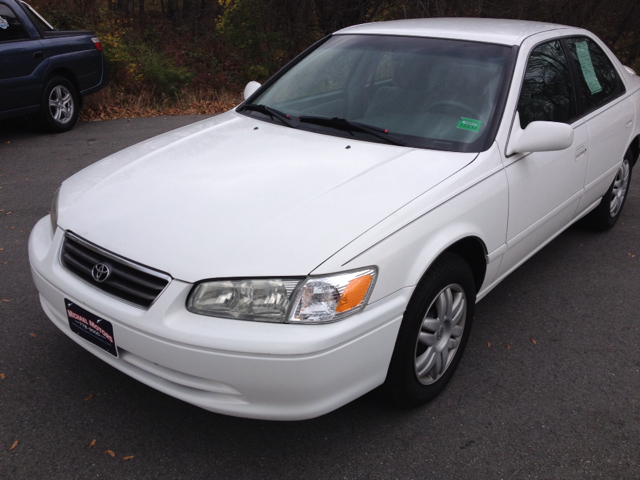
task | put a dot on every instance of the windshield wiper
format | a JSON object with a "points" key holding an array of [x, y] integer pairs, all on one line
{"points": [[272, 112], [348, 125]]}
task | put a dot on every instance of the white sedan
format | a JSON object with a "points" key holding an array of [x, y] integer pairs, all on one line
{"points": [[333, 232]]}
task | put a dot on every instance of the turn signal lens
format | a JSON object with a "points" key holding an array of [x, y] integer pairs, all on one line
{"points": [[354, 293], [331, 298]]}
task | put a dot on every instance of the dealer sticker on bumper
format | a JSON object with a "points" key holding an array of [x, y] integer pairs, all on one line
{"points": [[91, 327]]}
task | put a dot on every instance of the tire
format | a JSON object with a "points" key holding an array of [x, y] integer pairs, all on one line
{"points": [[58, 107], [433, 333], [606, 214]]}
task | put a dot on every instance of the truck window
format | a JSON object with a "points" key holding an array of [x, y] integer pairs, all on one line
{"points": [[10, 27]]}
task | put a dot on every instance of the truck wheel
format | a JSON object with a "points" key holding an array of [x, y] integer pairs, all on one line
{"points": [[59, 106]]}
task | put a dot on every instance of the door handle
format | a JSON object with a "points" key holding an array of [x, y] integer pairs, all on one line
{"points": [[629, 120], [37, 54], [581, 151]]}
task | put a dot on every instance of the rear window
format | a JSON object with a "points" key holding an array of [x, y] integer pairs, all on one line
{"points": [[598, 78]]}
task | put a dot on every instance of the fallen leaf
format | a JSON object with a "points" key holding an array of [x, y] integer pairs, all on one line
{"points": [[93, 442], [128, 458], [89, 397], [15, 444], [2, 376], [508, 347], [488, 344], [5, 300], [533, 341], [110, 453], [33, 335]]}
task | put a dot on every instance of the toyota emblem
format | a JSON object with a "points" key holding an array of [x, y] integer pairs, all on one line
{"points": [[100, 272]]}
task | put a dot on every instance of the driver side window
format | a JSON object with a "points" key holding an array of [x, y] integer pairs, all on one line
{"points": [[547, 91], [10, 27]]}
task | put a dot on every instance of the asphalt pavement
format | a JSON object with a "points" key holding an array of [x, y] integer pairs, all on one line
{"points": [[549, 386]]}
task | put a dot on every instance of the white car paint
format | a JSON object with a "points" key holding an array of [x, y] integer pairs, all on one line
{"points": [[180, 196], [222, 198]]}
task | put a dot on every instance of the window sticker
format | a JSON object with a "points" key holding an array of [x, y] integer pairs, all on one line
{"points": [[584, 57], [469, 124], [3, 23]]}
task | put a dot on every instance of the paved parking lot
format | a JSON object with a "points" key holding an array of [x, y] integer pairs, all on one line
{"points": [[549, 386]]}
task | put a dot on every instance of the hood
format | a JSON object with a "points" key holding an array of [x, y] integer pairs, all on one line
{"points": [[233, 197]]}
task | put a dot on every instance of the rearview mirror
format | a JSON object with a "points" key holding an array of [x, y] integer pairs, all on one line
{"points": [[539, 137], [250, 89]]}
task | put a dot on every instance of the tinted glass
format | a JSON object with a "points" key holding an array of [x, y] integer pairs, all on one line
{"points": [[597, 75], [10, 26], [432, 93], [547, 92]]}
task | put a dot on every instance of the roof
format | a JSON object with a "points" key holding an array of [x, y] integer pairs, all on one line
{"points": [[489, 30]]}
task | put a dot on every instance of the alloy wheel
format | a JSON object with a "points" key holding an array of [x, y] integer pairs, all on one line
{"points": [[440, 334], [61, 104]]}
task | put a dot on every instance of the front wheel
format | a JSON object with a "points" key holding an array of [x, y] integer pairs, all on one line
{"points": [[58, 107], [433, 333], [606, 214]]}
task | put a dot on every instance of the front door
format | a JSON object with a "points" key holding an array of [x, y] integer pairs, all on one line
{"points": [[20, 55], [544, 187]]}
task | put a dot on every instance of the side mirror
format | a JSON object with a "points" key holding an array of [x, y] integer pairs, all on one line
{"points": [[539, 137], [250, 89]]}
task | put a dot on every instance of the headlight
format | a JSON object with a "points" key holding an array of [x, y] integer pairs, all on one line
{"points": [[312, 300], [266, 300], [54, 211]]}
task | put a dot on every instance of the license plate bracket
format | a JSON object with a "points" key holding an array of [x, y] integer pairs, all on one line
{"points": [[91, 327]]}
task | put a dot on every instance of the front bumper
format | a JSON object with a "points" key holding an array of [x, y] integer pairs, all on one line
{"points": [[241, 368]]}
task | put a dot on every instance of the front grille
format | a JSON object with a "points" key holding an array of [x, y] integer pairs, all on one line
{"points": [[127, 280]]}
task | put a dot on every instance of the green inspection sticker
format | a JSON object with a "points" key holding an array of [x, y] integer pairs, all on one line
{"points": [[469, 124], [584, 58]]}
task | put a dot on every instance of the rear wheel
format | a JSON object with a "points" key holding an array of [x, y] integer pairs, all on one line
{"points": [[433, 333], [58, 107], [606, 214]]}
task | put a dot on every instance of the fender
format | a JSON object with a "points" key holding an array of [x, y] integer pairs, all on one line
{"points": [[450, 212], [85, 65]]}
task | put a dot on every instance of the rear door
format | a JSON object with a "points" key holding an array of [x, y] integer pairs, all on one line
{"points": [[607, 112], [20, 56]]}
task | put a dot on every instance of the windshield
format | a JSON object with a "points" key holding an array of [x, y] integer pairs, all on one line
{"points": [[423, 92]]}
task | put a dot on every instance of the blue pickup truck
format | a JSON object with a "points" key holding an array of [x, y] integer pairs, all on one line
{"points": [[45, 72]]}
